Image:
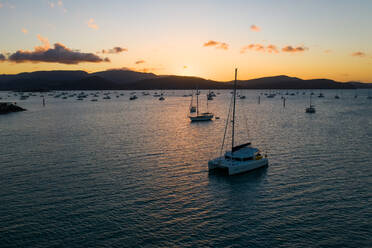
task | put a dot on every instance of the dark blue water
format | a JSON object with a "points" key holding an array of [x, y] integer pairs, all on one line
{"points": [[120, 173]]}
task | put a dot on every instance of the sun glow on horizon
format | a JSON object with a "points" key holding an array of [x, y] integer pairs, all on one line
{"points": [[179, 38]]}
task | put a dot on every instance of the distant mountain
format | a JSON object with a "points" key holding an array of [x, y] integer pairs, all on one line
{"points": [[88, 83], [131, 80], [176, 82], [124, 76], [285, 82], [46, 76]]}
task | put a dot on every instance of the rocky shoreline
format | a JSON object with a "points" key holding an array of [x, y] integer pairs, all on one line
{"points": [[9, 107]]}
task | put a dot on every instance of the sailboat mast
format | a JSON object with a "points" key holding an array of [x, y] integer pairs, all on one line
{"points": [[233, 119], [197, 101]]}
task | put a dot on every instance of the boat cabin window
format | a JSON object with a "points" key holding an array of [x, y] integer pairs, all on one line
{"points": [[239, 159]]}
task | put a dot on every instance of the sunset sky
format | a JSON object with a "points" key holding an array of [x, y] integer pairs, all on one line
{"points": [[206, 38]]}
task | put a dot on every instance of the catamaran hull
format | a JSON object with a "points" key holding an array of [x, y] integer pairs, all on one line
{"points": [[201, 118], [237, 167]]}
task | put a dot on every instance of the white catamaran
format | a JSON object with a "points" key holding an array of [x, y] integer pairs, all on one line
{"points": [[241, 158]]}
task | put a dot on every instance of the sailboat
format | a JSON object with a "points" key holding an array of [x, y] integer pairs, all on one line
{"points": [[192, 108], [311, 108], [209, 96], [241, 158], [200, 116]]}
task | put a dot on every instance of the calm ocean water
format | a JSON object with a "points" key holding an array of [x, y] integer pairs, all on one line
{"points": [[120, 173]]}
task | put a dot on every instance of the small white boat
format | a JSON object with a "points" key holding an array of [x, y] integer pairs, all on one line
{"points": [[311, 108], [192, 108], [239, 159], [202, 117], [206, 116]]}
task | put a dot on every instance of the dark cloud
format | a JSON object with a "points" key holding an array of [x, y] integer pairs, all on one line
{"points": [[358, 54], [290, 49], [139, 62], [59, 54], [115, 50], [2, 57], [216, 44]]}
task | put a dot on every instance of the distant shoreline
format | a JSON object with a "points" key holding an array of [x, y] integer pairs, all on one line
{"points": [[131, 80]]}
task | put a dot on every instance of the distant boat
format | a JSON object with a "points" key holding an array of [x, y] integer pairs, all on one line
{"points": [[161, 98], [200, 116], [337, 97], [210, 95], [241, 158], [192, 108], [311, 108], [133, 97], [94, 100], [320, 95]]}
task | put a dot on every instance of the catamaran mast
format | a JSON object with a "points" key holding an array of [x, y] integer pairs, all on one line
{"points": [[197, 101], [233, 119]]}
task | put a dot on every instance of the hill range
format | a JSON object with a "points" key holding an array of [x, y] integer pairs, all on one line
{"points": [[132, 80]]}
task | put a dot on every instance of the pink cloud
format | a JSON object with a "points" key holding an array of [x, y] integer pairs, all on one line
{"points": [[216, 44], [358, 54], [255, 28]]}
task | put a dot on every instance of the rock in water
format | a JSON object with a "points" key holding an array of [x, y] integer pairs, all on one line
{"points": [[8, 107]]}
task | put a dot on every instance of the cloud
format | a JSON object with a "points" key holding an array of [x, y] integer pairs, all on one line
{"points": [[25, 31], [291, 49], [92, 24], [7, 5], [211, 43], [139, 62], [58, 54], [272, 49], [58, 4], [255, 28], [216, 44], [358, 54], [2, 57], [223, 46], [114, 50], [254, 47]]}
